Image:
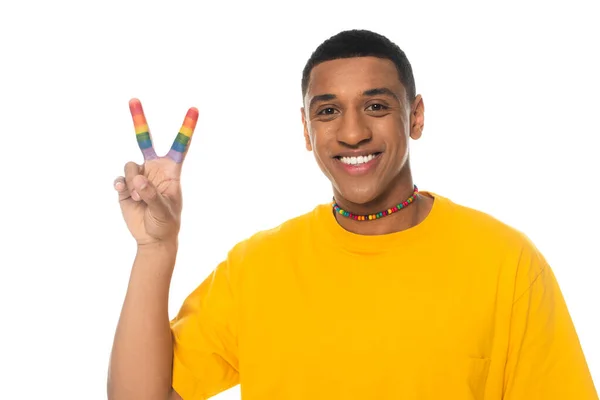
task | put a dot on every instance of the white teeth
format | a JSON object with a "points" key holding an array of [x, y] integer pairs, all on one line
{"points": [[357, 160]]}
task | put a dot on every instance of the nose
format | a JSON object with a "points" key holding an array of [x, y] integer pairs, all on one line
{"points": [[353, 130]]}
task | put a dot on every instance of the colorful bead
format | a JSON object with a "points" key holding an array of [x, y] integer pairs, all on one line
{"points": [[380, 214]]}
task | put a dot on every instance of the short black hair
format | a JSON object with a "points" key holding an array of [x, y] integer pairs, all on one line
{"points": [[361, 43]]}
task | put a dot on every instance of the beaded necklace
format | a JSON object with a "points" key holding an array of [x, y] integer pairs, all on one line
{"points": [[378, 215]]}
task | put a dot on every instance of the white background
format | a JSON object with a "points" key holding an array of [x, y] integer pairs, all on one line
{"points": [[511, 98]]}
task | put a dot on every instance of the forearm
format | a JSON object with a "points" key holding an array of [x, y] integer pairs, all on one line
{"points": [[141, 359]]}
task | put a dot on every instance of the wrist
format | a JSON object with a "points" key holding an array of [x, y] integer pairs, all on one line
{"points": [[162, 246], [155, 262]]}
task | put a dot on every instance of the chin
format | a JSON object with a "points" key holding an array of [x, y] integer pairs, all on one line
{"points": [[356, 195]]}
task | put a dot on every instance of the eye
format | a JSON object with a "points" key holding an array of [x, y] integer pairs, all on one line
{"points": [[327, 111], [377, 107]]}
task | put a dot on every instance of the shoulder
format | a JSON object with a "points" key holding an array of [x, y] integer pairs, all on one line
{"points": [[287, 236], [481, 227], [495, 242]]}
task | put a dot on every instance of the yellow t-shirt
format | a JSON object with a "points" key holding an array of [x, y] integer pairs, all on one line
{"points": [[460, 306]]}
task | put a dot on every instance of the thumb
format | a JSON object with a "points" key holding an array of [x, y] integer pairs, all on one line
{"points": [[155, 201]]}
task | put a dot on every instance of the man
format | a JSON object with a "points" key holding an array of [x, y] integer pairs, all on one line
{"points": [[388, 293]]}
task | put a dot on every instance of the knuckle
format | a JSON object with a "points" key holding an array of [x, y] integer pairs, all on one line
{"points": [[131, 168]]}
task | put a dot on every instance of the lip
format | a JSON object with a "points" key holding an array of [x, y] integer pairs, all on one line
{"points": [[360, 169], [357, 153]]}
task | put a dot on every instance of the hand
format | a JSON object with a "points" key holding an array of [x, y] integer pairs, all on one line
{"points": [[150, 194]]}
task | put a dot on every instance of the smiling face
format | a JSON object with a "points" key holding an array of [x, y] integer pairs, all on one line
{"points": [[357, 120]]}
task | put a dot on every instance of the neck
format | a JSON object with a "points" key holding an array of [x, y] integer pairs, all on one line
{"points": [[406, 218]]}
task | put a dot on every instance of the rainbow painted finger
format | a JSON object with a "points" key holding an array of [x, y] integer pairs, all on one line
{"points": [[182, 141], [142, 132]]}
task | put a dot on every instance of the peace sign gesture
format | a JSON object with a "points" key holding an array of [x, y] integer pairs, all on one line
{"points": [[150, 194]]}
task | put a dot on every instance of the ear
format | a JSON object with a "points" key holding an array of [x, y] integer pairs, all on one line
{"points": [[417, 118], [306, 136]]}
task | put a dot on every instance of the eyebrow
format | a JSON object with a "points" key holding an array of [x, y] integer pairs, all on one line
{"points": [[321, 97], [383, 91], [371, 92]]}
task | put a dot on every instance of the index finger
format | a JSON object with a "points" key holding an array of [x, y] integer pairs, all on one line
{"points": [[142, 131], [182, 141]]}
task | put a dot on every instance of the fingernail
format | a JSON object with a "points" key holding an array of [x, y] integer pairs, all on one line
{"points": [[143, 185], [135, 196], [119, 185]]}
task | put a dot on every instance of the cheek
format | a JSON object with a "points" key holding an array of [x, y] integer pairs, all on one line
{"points": [[321, 138], [392, 130], [318, 137]]}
